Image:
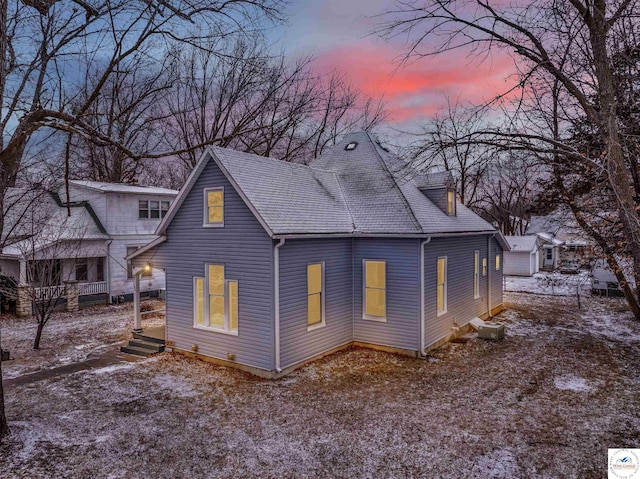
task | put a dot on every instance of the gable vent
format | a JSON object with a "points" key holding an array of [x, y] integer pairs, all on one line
{"points": [[351, 146]]}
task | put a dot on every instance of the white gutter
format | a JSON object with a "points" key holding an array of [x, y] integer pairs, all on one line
{"points": [[422, 286], [276, 296], [490, 266]]}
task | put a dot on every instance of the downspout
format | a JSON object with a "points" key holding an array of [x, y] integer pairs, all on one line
{"points": [[490, 266], [276, 297], [422, 287]]}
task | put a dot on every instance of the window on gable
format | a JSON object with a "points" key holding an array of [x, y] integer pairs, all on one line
{"points": [[375, 290], [476, 275], [497, 262], [215, 301], [451, 203], [315, 294], [441, 289], [214, 207]]}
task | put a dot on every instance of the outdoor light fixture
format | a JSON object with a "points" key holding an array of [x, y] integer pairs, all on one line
{"points": [[147, 267]]}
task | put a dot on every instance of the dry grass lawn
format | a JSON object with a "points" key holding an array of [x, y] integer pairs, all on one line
{"points": [[545, 403]]}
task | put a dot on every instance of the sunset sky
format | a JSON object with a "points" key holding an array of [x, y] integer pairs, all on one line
{"points": [[338, 34]]}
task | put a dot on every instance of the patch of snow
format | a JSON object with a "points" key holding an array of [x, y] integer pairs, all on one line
{"points": [[112, 368], [497, 464], [573, 383]]}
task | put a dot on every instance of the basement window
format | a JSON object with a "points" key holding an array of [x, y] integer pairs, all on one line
{"points": [[351, 146]]}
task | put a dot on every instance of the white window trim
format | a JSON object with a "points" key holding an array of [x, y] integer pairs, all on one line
{"points": [[206, 327], [380, 319], [205, 212], [445, 289], [322, 323], [476, 275]]}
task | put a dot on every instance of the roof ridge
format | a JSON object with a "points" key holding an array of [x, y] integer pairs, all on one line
{"points": [[346, 203], [414, 219]]}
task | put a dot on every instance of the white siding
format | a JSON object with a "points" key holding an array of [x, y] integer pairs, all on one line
{"points": [[518, 263]]}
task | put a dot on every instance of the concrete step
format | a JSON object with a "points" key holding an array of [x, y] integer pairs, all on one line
{"points": [[150, 339], [139, 343], [137, 351]]}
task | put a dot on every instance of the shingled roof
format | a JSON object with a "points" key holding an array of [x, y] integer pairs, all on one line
{"points": [[361, 191]]}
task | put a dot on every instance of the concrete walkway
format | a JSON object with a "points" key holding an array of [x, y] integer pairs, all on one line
{"points": [[100, 359]]}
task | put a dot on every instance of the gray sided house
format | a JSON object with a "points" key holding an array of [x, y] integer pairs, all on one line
{"points": [[270, 264]]}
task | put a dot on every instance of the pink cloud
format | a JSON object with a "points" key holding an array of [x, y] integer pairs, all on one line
{"points": [[417, 90]]}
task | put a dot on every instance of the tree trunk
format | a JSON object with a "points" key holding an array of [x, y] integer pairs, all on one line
{"points": [[619, 178], [4, 427], [36, 343]]}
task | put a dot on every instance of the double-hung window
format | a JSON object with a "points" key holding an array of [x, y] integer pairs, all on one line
{"points": [[476, 275], [213, 207], [216, 301], [375, 290], [441, 293], [498, 262], [484, 266], [315, 296], [152, 209]]}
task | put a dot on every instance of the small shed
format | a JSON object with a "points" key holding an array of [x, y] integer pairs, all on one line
{"points": [[522, 260]]}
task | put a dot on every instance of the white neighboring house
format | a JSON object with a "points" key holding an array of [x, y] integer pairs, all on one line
{"points": [[565, 240], [108, 222], [130, 215], [522, 259]]}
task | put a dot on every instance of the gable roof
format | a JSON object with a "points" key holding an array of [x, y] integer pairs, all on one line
{"points": [[361, 191], [106, 187], [37, 218], [523, 244]]}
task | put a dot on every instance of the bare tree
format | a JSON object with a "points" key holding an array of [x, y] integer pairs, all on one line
{"points": [[49, 51], [255, 101], [438, 146], [568, 46], [51, 246], [507, 191]]}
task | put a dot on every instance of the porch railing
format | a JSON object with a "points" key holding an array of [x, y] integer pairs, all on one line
{"points": [[92, 288], [46, 293]]}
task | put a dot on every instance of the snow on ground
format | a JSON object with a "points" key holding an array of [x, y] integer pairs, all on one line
{"points": [[547, 283], [69, 337], [546, 402]]}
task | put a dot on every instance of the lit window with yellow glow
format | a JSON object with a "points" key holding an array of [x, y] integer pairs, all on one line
{"points": [[315, 294], [375, 290], [476, 275], [441, 289], [198, 286], [215, 301], [497, 262], [484, 266], [216, 295], [214, 207], [451, 203]]}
